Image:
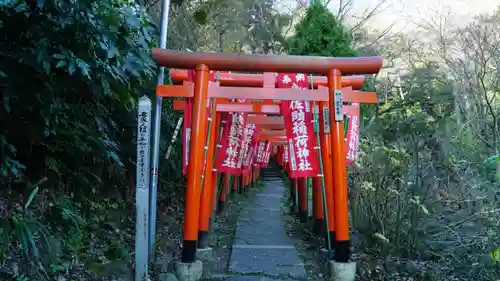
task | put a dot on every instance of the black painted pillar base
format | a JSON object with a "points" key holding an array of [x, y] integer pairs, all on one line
{"points": [[319, 226], [211, 234], [292, 195], [203, 239], [303, 216], [343, 251], [242, 185], [221, 207], [333, 241], [292, 200], [188, 254]]}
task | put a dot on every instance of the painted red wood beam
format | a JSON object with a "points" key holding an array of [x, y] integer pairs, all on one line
{"points": [[215, 91], [266, 63], [227, 79], [255, 108]]}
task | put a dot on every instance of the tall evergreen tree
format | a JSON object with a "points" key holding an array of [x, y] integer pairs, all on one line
{"points": [[319, 33]]}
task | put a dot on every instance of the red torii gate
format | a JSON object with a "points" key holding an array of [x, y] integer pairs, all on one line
{"points": [[332, 67], [268, 107]]}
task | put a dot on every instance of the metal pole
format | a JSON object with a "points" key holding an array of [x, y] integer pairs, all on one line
{"points": [[156, 136]]}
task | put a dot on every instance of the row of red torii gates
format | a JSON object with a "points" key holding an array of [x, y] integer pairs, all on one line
{"points": [[238, 121]]}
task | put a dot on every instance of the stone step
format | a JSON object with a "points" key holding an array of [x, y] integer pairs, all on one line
{"points": [[262, 247]]}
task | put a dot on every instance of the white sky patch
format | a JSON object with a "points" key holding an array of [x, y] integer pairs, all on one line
{"points": [[406, 12]]}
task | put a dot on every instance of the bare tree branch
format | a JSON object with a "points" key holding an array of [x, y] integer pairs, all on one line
{"points": [[370, 14]]}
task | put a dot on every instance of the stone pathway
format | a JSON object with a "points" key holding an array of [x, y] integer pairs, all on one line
{"points": [[262, 250]]}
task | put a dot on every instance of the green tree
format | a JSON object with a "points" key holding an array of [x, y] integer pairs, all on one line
{"points": [[319, 33]]}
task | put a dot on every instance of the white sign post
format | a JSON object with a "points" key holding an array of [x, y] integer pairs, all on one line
{"points": [[142, 189]]}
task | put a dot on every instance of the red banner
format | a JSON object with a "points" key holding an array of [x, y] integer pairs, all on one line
{"points": [[352, 138], [186, 129], [298, 117], [229, 157], [267, 155], [251, 136], [263, 153], [261, 150]]}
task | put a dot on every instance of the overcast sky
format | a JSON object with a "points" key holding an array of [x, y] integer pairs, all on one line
{"points": [[404, 12]]}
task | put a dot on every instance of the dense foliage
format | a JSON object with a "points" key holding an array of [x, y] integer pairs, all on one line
{"points": [[424, 201], [71, 73], [419, 197]]}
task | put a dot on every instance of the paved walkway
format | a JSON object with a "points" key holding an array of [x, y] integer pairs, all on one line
{"points": [[262, 250]]}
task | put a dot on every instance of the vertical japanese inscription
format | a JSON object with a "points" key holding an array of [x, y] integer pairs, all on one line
{"points": [[260, 152], [233, 152], [299, 122], [326, 119], [300, 149], [246, 143], [353, 139], [338, 104], [143, 133], [316, 118], [142, 188]]}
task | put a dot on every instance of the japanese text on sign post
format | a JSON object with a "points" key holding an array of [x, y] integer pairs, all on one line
{"points": [[142, 189]]}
